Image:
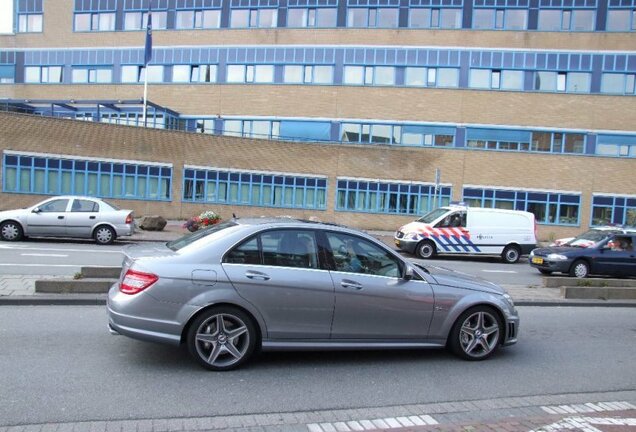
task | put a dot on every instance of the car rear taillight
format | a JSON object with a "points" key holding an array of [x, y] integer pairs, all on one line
{"points": [[135, 282], [129, 219]]}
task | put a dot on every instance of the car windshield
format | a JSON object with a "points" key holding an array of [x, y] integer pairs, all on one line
{"points": [[589, 236], [433, 215], [188, 239]]}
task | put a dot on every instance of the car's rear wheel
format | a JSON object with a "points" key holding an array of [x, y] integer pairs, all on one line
{"points": [[426, 249], [511, 254], [104, 235], [476, 334], [222, 338], [545, 272], [11, 231], [580, 269]]}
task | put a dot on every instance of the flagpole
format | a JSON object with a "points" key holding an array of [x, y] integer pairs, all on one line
{"points": [[147, 58], [146, 97]]}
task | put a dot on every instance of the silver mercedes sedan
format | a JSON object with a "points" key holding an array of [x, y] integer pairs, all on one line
{"points": [[284, 284], [68, 216]]}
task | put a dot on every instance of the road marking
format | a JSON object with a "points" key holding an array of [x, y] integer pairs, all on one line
{"points": [[57, 249], [48, 265], [499, 271], [44, 255], [586, 424], [588, 407], [381, 423]]}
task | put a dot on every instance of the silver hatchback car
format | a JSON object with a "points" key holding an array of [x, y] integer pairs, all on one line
{"points": [[68, 216], [284, 284]]}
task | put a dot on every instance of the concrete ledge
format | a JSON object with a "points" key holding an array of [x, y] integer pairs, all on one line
{"points": [[54, 300], [86, 286], [599, 293], [558, 282], [101, 272]]}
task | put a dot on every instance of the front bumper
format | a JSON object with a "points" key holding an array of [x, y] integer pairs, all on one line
{"points": [[542, 263], [512, 330], [406, 245]]}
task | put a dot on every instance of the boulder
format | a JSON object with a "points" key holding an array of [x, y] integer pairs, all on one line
{"points": [[152, 223]]}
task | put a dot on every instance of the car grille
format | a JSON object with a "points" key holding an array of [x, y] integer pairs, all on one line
{"points": [[512, 331], [399, 234]]}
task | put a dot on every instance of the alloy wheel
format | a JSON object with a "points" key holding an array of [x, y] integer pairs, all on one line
{"points": [[479, 334], [222, 340]]}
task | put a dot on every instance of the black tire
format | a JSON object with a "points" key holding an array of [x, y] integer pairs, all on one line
{"points": [[511, 254], [104, 235], [238, 332], [545, 272], [426, 249], [467, 329], [580, 269], [11, 231]]}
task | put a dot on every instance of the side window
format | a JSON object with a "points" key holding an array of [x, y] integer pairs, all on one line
{"points": [[84, 206], [245, 253], [453, 220], [54, 206], [289, 248], [355, 255]]}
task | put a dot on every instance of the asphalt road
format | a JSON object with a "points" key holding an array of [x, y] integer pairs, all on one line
{"points": [[58, 363], [65, 257]]}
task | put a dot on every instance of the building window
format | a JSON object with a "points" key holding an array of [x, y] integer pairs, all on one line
{"points": [[566, 20], [616, 145], [410, 135], [194, 73], [7, 74], [362, 195], [43, 74], [30, 23], [611, 209], [445, 18], [308, 74], [616, 83], [82, 75], [99, 21], [550, 208], [500, 19], [369, 75], [138, 20], [243, 18], [312, 17], [198, 19], [261, 129], [621, 20], [372, 17], [44, 174], [431, 77], [136, 74], [498, 139], [250, 73], [558, 142], [254, 189], [570, 82]]}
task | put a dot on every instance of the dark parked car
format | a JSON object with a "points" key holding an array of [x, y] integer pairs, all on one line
{"points": [[612, 256], [283, 284]]}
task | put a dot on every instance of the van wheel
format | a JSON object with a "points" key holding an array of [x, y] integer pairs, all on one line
{"points": [[511, 254], [426, 249]]}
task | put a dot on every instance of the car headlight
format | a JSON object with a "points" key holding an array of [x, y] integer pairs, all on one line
{"points": [[531, 253], [509, 300], [556, 257], [410, 236]]}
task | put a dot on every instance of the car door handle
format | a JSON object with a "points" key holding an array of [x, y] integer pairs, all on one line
{"points": [[60, 217], [350, 285], [256, 275], [91, 217]]}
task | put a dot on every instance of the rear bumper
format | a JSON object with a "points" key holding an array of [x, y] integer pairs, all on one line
{"points": [[125, 230]]}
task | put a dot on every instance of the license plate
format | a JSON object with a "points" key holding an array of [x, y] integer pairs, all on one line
{"points": [[537, 260], [397, 243]]}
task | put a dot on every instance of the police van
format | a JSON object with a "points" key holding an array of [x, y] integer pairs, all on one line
{"points": [[459, 229]]}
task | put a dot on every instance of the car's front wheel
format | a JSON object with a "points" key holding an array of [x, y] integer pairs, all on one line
{"points": [[580, 269], [104, 235], [476, 334], [11, 231], [222, 338]]}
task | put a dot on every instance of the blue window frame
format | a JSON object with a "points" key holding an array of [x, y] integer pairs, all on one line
{"points": [[325, 17], [198, 15], [613, 209], [549, 208], [372, 196], [498, 139], [621, 16], [92, 74], [34, 173], [436, 17], [500, 18], [390, 134], [29, 16], [264, 189], [7, 74], [616, 145]]}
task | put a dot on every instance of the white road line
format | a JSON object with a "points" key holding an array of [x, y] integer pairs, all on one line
{"points": [[499, 271], [44, 255], [48, 265], [380, 423], [21, 248]]}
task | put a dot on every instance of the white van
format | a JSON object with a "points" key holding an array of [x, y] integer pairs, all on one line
{"points": [[470, 230]]}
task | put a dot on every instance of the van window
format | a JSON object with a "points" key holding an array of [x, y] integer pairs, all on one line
{"points": [[453, 220], [433, 215]]}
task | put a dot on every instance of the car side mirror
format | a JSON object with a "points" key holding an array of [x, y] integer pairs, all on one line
{"points": [[36, 210], [408, 273]]}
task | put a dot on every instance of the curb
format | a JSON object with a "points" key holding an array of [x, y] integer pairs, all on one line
{"points": [[100, 300]]}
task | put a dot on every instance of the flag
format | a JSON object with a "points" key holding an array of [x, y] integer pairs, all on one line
{"points": [[148, 48]]}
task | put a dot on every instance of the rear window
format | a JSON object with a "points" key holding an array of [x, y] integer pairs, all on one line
{"points": [[188, 239]]}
